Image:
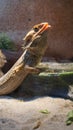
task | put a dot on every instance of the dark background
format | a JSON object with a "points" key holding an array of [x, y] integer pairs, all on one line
{"points": [[18, 16]]}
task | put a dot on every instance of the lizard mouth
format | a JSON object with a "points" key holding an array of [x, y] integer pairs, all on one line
{"points": [[44, 27]]}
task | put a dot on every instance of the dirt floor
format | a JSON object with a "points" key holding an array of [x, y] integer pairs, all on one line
{"points": [[25, 114]]}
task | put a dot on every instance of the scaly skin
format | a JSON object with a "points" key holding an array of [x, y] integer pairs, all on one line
{"points": [[35, 46]]}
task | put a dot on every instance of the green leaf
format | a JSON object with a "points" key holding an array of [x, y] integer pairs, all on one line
{"points": [[69, 118], [44, 111], [68, 122]]}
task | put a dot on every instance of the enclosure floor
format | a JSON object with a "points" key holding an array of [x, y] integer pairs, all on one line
{"points": [[24, 114]]}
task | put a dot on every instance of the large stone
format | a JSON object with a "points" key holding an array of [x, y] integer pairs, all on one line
{"points": [[53, 80]]}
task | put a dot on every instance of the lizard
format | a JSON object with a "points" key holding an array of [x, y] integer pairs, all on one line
{"points": [[34, 49]]}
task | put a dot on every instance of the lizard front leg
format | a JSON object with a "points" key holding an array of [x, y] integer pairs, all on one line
{"points": [[32, 70]]}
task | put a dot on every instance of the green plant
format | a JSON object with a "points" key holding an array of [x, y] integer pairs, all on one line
{"points": [[6, 42], [69, 118]]}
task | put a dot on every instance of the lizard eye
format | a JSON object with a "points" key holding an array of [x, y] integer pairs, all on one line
{"points": [[36, 29]]}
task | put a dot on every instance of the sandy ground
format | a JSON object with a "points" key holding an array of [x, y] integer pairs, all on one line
{"points": [[19, 114]]}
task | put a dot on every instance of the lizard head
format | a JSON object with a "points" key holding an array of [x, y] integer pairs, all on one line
{"points": [[37, 31], [36, 39]]}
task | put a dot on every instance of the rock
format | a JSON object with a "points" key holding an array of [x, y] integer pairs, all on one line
{"points": [[55, 79]]}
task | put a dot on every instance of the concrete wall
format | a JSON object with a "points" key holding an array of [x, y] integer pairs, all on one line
{"points": [[18, 16]]}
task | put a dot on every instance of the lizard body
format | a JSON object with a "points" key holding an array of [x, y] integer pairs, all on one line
{"points": [[36, 44]]}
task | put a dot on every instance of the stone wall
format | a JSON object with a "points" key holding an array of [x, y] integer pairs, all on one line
{"points": [[18, 16]]}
